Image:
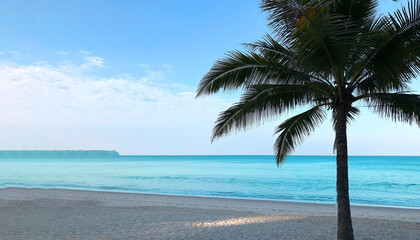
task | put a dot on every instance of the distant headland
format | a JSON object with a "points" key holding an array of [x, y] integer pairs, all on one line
{"points": [[58, 153]]}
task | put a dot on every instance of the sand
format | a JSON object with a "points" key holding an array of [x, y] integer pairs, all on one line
{"points": [[74, 214]]}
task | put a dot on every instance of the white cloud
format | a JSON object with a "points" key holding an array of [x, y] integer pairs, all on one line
{"points": [[84, 52], [62, 52], [93, 62], [144, 65], [66, 94], [66, 107]]}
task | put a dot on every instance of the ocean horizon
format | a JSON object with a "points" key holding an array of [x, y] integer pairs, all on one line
{"points": [[374, 180]]}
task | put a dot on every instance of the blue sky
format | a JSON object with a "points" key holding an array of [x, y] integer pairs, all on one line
{"points": [[122, 75]]}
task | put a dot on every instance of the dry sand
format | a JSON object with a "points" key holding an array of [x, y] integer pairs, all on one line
{"points": [[74, 214]]}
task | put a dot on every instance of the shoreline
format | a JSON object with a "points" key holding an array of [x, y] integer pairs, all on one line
{"points": [[217, 197], [34, 213], [264, 206]]}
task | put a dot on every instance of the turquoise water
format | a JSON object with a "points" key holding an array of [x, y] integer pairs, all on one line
{"points": [[382, 180]]}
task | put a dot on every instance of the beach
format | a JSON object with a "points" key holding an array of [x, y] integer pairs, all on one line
{"points": [[33, 213]]}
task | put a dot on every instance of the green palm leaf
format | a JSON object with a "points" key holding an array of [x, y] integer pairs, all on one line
{"points": [[295, 129], [395, 106], [262, 102], [269, 46], [394, 49], [360, 12], [242, 69], [315, 35]]}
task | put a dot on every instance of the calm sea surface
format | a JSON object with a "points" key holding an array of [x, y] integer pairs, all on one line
{"points": [[384, 180]]}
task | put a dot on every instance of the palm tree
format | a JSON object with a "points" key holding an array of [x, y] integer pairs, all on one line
{"points": [[325, 55]]}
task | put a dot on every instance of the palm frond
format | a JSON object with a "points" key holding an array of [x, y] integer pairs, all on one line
{"points": [[394, 52], [270, 46], [395, 106], [360, 12], [295, 129], [262, 102], [361, 16], [316, 36], [240, 69], [352, 113], [372, 84], [362, 48]]}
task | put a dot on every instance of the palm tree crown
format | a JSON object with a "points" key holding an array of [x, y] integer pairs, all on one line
{"points": [[326, 55]]}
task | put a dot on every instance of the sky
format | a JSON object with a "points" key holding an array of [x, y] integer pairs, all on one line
{"points": [[122, 75]]}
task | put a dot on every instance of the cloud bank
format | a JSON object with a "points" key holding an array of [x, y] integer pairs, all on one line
{"points": [[67, 106], [68, 94]]}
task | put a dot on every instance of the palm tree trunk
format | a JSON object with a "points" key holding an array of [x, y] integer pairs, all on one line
{"points": [[344, 223]]}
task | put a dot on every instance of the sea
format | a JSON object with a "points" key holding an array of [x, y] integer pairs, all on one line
{"points": [[374, 180]]}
